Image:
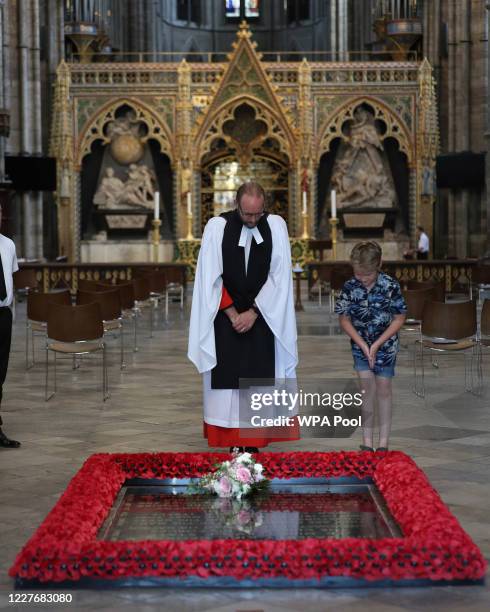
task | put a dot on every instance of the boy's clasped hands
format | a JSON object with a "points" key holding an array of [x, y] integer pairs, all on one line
{"points": [[370, 352]]}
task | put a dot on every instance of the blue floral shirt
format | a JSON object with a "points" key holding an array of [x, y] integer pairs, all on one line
{"points": [[371, 312]]}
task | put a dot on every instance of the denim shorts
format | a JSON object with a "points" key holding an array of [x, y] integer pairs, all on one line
{"points": [[361, 365]]}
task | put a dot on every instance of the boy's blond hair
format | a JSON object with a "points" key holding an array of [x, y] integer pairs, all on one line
{"points": [[366, 255]]}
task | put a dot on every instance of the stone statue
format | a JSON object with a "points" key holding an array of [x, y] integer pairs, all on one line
{"points": [[126, 125], [428, 181], [361, 174], [137, 191], [126, 146], [110, 189], [186, 179]]}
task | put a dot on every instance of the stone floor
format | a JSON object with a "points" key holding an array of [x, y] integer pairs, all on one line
{"points": [[156, 406]]}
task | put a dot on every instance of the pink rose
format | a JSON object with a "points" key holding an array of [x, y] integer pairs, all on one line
{"points": [[244, 517], [224, 486], [243, 475]]}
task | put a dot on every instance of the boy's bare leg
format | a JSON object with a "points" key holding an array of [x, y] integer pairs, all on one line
{"points": [[368, 385], [384, 396]]}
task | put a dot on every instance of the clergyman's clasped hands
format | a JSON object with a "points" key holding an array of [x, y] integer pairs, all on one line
{"points": [[241, 322]]}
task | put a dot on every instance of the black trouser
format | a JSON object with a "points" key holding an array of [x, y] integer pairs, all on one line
{"points": [[422, 255], [5, 338]]}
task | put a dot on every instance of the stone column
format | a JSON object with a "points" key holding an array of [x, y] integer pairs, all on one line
{"points": [[413, 221], [29, 118], [137, 32], [451, 127], [487, 133], [342, 29], [37, 145], [463, 121], [333, 29], [3, 97]]}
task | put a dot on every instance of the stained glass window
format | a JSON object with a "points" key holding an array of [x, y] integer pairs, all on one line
{"points": [[232, 8], [252, 8], [248, 9]]}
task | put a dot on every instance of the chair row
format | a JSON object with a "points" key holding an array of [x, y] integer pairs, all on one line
{"points": [[451, 329], [78, 330]]}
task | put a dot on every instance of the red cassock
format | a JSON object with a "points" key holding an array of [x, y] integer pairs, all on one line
{"points": [[230, 436]]}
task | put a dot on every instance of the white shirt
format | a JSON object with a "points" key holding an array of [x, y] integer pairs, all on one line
{"points": [[423, 246], [10, 265]]}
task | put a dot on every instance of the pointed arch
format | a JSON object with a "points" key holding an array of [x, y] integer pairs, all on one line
{"points": [[395, 126], [94, 127], [245, 81], [277, 128]]}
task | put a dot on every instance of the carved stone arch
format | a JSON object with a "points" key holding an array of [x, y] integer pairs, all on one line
{"points": [[212, 128], [395, 126], [93, 130]]}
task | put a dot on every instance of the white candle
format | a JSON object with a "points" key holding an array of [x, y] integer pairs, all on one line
{"points": [[305, 204], [157, 205], [333, 203], [189, 203]]}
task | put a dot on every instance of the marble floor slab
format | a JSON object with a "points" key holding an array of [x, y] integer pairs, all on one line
{"points": [[156, 405]]}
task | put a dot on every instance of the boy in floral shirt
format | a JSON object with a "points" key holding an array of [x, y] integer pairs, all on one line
{"points": [[371, 310]]}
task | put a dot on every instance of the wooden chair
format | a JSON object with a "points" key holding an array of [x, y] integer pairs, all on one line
{"points": [[175, 286], [480, 280], [449, 328], [484, 330], [485, 323], [440, 292], [415, 300], [110, 308], [339, 276], [142, 298], [126, 292], [75, 331], [322, 284], [158, 285], [25, 281], [38, 305]]}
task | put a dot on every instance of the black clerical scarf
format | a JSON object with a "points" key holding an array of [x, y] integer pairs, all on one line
{"points": [[251, 354]]}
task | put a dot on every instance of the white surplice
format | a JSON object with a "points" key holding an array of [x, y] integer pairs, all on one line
{"points": [[275, 302]]}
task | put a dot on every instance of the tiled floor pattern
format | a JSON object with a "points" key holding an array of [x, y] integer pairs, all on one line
{"points": [[156, 405]]}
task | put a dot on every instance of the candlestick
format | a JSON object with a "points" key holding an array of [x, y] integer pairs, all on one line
{"points": [[306, 234], [333, 234], [155, 238], [189, 203], [156, 212], [190, 235], [333, 203], [305, 203]]}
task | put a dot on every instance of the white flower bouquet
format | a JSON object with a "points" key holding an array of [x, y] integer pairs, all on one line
{"points": [[236, 478]]}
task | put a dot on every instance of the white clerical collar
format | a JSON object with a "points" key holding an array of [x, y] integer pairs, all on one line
{"points": [[246, 231]]}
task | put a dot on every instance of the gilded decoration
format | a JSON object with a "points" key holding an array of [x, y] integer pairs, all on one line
{"points": [[244, 112], [245, 82], [87, 108]]}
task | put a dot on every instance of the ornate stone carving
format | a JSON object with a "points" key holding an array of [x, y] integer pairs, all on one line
{"points": [[136, 192], [124, 132], [361, 175]]}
